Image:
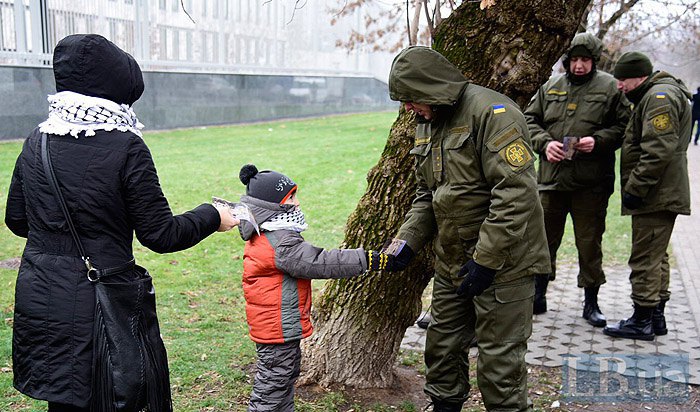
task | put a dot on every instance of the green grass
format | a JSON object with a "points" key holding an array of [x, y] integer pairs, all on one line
{"points": [[200, 302]]}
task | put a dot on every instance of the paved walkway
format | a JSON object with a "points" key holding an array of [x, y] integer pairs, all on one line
{"points": [[561, 336]]}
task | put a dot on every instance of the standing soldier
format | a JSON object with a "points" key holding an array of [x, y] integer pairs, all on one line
{"points": [[655, 188], [582, 106], [477, 198]]}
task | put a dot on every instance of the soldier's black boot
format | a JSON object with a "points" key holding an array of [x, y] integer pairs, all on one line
{"points": [[591, 311], [540, 303], [658, 319], [636, 327], [442, 406]]}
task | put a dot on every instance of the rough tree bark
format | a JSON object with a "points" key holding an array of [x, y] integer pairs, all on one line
{"points": [[359, 323]]}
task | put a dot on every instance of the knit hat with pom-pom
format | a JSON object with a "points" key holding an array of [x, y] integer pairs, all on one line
{"points": [[266, 185]]}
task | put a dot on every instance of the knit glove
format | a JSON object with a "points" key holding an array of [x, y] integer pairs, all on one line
{"points": [[380, 261], [478, 279], [631, 201], [384, 261]]}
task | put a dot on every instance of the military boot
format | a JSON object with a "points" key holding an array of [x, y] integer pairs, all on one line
{"points": [[591, 311], [443, 406], [636, 327], [539, 305], [658, 319]]}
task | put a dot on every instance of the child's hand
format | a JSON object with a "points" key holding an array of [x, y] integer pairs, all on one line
{"points": [[379, 261], [389, 262]]}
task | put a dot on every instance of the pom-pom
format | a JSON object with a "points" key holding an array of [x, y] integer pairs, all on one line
{"points": [[247, 172]]}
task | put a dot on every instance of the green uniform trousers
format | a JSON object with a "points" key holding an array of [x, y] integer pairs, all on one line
{"points": [[588, 208], [501, 320], [651, 234]]}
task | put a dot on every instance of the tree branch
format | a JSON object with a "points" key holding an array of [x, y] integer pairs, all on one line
{"points": [[606, 25]]}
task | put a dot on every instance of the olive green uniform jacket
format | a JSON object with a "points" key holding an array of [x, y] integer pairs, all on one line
{"points": [[595, 108], [477, 193], [653, 162]]}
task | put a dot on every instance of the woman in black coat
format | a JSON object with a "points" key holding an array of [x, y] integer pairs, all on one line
{"points": [[107, 176]]}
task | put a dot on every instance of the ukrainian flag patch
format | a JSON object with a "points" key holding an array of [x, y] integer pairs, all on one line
{"points": [[660, 95], [499, 108]]}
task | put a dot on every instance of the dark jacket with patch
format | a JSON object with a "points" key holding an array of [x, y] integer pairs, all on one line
{"points": [[477, 193], [653, 162], [277, 270], [595, 108], [111, 187]]}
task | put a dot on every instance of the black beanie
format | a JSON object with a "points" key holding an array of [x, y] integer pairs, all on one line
{"points": [[266, 185], [580, 51], [632, 65]]}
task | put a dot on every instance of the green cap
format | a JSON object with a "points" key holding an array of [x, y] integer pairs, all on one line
{"points": [[631, 65]]}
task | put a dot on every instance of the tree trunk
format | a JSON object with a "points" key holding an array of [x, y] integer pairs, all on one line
{"points": [[359, 323]]}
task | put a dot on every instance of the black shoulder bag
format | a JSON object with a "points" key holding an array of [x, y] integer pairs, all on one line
{"points": [[130, 364]]}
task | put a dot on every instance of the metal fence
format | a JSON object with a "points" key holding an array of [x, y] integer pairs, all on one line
{"points": [[241, 36]]}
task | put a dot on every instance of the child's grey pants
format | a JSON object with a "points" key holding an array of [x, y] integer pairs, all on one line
{"points": [[278, 369]]}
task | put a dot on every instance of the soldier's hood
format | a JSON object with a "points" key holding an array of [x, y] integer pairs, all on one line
{"points": [[261, 212], [590, 42], [422, 75], [663, 77]]}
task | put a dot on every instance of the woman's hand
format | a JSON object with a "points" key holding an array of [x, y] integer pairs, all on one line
{"points": [[228, 222]]}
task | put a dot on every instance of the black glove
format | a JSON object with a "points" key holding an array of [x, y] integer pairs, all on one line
{"points": [[402, 259], [631, 201], [379, 261], [384, 261], [478, 279]]}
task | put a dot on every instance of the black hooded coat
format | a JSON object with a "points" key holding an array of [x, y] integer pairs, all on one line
{"points": [[111, 187]]}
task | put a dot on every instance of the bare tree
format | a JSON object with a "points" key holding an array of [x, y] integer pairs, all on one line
{"points": [[509, 46], [654, 25], [661, 27]]}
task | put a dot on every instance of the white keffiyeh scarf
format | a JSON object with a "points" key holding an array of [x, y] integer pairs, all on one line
{"points": [[292, 220], [73, 113]]}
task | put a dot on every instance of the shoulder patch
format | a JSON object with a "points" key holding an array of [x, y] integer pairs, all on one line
{"points": [[661, 122], [661, 95], [517, 154], [499, 108]]}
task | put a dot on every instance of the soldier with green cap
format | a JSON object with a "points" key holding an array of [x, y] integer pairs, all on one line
{"points": [[655, 187], [582, 109], [477, 202]]}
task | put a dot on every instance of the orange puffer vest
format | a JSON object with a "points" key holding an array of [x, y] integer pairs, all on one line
{"points": [[278, 306]]}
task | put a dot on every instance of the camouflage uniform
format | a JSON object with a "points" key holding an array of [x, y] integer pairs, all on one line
{"points": [[477, 198]]}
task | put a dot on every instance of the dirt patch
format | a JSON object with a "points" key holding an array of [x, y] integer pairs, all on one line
{"points": [[405, 395]]}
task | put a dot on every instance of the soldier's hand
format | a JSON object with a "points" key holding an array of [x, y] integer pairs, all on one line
{"points": [[585, 144], [631, 201], [554, 151], [403, 258], [478, 279]]}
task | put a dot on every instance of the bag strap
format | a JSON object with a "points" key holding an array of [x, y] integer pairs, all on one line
{"points": [[92, 272]]}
